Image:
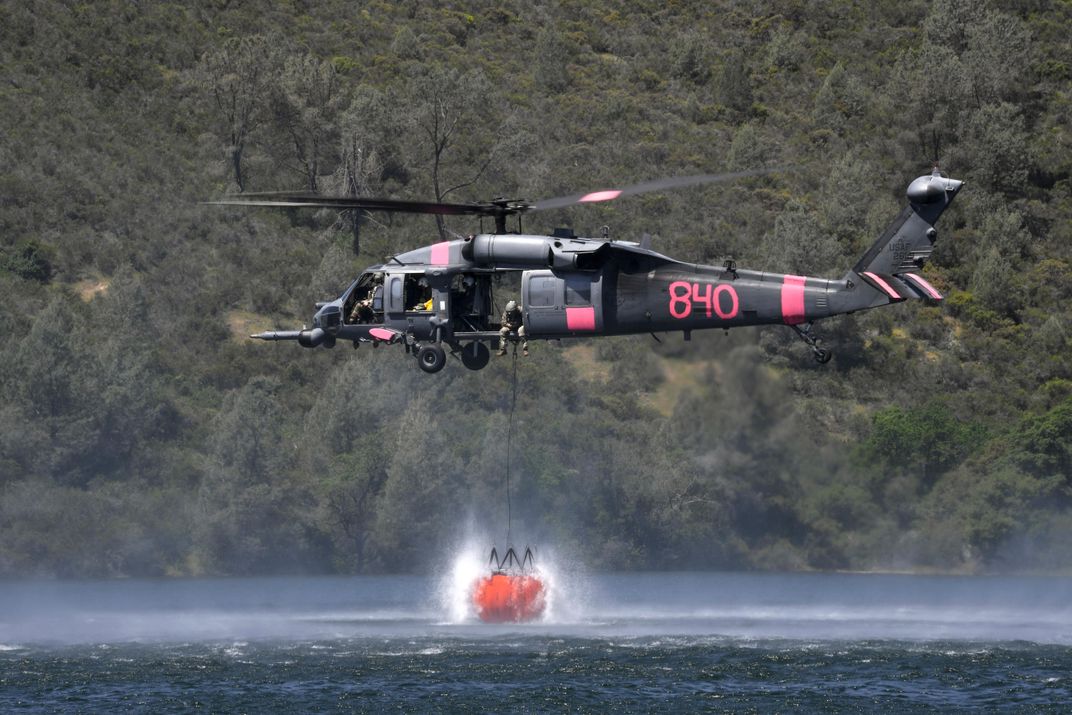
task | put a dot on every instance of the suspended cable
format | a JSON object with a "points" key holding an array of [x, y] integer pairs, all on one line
{"points": [[509, 446]]}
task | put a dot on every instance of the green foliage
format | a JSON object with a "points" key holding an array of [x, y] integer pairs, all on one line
{"points": [[689, 60], [30, 260], [551, 72], [749, 148], [996, 147], [994, 284], [799, 245], [735, 85], [1043, 444], [930, 438], [840, 101]]}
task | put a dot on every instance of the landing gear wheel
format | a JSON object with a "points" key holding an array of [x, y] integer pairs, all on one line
{"points": [[822, 355], [431, 357], [475, 355]]}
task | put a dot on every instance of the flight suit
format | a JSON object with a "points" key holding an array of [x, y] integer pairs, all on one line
{"points": [[362, 312], [512, 321]]}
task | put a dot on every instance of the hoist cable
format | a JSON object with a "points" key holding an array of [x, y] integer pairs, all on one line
{"points": [[509, 446]]}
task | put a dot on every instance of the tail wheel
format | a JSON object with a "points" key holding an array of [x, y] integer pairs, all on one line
{"points": [[823, 356], [475, 355], [431, 357]]}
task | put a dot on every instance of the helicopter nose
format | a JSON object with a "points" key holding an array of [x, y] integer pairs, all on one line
{"points": [[329, 318]]}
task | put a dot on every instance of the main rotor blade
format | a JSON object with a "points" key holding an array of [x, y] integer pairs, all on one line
{"points": [[496, 207], [674, 182], [310, 200]]}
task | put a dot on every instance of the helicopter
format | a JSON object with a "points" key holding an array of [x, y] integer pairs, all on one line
{"points": [[439, 298]]}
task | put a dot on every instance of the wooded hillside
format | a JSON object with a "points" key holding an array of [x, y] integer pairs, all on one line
{"points": [[141, 433]]}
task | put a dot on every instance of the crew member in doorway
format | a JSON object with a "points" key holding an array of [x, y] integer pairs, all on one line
{"points": [[512, 322], [424, 299]]}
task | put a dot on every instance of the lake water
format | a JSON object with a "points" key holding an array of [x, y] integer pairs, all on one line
{"points": [[624, 642]]}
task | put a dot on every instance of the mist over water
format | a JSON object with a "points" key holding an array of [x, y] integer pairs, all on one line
{"points": [[581, 605]]}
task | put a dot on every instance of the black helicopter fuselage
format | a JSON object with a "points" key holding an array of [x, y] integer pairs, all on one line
{"points": [[441, 295]]}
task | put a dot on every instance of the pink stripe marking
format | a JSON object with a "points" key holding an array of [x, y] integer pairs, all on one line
{"points": [[884, 286], [919, 280], [383, 334], [441, 253], [581, 318], [599, 196], [793, 299]]}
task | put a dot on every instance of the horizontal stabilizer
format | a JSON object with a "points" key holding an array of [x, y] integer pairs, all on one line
{"points": [[888, 285], [920, 286]]}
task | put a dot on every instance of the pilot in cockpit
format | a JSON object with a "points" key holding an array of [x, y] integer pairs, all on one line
{"points": [[363, 310]]}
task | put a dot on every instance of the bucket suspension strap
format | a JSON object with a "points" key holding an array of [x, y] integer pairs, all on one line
{"points": [[510, 562]]}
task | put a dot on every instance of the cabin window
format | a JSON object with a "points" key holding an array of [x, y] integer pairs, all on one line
{"points": [[418, 294], [578, 290], [542, 291]]}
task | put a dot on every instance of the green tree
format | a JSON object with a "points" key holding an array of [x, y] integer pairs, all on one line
{"points": [[929, 438], [240, 76], [458, 130], [121, 380], [251, 513], [750, 149], [995, 147], [49, 394], [801, 245], [29, 259], [1000, 53], [930, 109], [689, 60], [994, 284], [1043, 444], [417, 501], [365, 142], [840, 101], [735, 85], [307, 102], [551, 68]]}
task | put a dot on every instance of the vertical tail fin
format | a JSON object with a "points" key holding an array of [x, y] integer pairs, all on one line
{"points": [[891, 266]]}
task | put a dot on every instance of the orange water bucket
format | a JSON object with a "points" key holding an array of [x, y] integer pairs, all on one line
{"points": [[509, 598]]}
